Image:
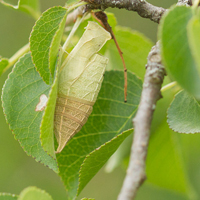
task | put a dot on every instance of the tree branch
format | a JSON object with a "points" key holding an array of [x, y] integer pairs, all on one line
{"points": [[143, 8], [155, 73], [184, 3]]}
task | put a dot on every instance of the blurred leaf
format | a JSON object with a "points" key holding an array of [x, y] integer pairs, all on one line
{"points": [[6, 196], [190, 150], [3, 64], [118, 157], [34, 193], [135, 48], [110, 117], [45, 41], [21, 94], [30, 7], [111, 20], [152, 192], [194, 40], [165, 166], [176, 50], [96, 159], [184, 114]]}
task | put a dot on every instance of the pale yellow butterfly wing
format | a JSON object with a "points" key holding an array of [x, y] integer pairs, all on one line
{"points": [[79, 83]]}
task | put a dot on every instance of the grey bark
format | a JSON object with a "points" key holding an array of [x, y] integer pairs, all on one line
{"points": [[135, 176]]}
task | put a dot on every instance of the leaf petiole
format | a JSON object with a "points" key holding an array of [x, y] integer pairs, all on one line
{"points": [[168, 86], [75, 27], [16, 56]]}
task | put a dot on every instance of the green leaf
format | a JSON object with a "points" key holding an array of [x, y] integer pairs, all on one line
{"points": [[34, 193], [3, 64], [96, 159], [6, 196], [47, 124], [184, 114], [22, 92], [194, 40], [176, 52], [165, 166], [45, 41], [110, 117], [135, 48], [30, 7]]}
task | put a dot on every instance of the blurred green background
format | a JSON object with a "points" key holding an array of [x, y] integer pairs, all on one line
{"points": [[18, 171]]}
